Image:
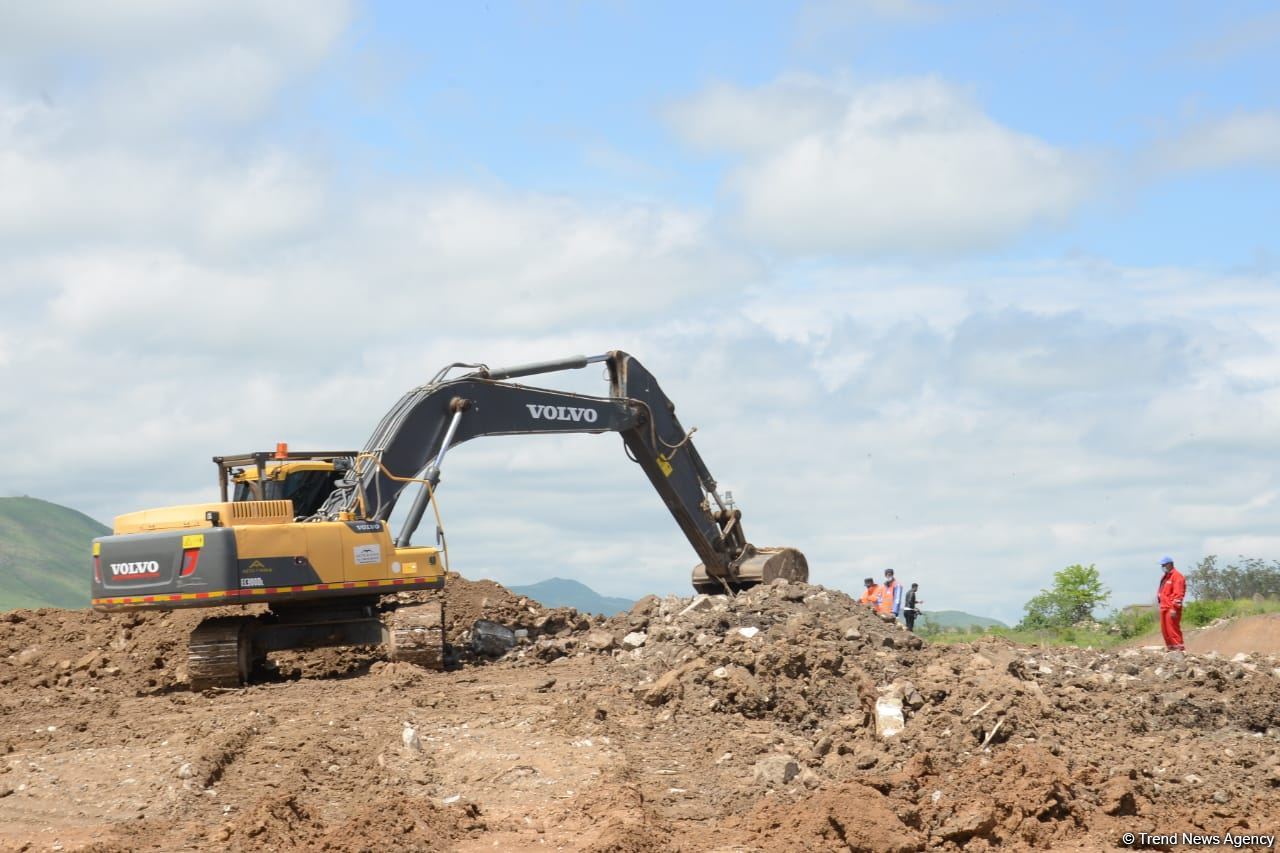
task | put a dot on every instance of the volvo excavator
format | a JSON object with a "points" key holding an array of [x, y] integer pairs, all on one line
{"points": [[309, 534]]}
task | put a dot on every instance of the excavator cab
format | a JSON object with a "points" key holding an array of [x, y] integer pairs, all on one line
{"points": [[307, 479], [308, 484]]}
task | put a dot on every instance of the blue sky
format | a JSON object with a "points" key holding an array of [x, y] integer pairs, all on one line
{"points": [[972, 290], [444, 92]]}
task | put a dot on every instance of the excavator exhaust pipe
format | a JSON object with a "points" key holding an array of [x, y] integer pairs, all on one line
{"points": [[755, 566]]}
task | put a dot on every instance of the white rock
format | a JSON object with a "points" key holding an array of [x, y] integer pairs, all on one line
{"points": [[410, 738], [185, 771], [749, 631], [451, 800], [889, 720], [1239, 657], [720, 672], [701, 601], [634, 640]]}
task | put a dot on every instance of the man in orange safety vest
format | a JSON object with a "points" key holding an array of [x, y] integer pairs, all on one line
{"points": [[872, 595], [1170, 593]]}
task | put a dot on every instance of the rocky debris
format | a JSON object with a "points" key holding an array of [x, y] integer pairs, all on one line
{"points": [[758, 717]]}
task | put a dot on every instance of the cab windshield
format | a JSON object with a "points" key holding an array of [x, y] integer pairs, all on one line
{"points": [[307, 489]]}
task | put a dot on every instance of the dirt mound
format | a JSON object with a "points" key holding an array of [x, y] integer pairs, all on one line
{"points": [[785, 718], [1259, 635], [848, 816], [793, 653], [126, 653]]}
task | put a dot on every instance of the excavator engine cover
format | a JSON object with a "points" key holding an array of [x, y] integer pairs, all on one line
{"points": [[757, 566]]}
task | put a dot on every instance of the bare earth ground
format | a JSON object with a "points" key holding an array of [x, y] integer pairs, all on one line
{"points": [[742, 724], [1253, 634]]}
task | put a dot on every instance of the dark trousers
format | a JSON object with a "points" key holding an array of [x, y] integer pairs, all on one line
{"points": [[910, 616]]}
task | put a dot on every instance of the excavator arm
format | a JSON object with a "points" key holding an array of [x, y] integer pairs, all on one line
{"points": [[412, 440]]}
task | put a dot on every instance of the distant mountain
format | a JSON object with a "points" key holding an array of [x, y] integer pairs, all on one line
{"points": [[559, 592], [960, 619], [44, 554]]}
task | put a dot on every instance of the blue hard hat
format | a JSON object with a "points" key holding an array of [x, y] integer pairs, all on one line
{"points": [[1166, 560]]}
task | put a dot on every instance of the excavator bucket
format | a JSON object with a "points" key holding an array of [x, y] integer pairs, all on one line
{"points": [[757, 566]]}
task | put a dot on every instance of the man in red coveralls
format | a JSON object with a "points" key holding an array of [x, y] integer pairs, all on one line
{"points": [[1173, 588]]}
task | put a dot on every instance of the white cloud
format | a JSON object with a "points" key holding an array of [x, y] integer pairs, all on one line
{"points": [[140, 65], [903, 167], [1244, 139], [177, 294]]}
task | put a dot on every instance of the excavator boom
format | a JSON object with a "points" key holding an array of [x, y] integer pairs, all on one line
{"points": [[413, 439]]}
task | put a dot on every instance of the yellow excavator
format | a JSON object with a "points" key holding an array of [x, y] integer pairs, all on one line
{"points": [[309, 533]]}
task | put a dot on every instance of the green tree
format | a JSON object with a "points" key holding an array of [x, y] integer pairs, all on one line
{"points": [[1250, 577], [1076, 592]]}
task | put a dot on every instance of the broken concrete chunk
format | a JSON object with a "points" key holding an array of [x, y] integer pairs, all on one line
{"points": [[775, 771], [889, 720], [700, 602], [634, 640], [600, 640]]}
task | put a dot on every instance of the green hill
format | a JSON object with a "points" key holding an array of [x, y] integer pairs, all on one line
{"points": [[44, 554], [946, 619], [559, 592]]}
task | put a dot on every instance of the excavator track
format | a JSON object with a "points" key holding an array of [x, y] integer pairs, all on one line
{"points": [[219, 652], [415, 633]]}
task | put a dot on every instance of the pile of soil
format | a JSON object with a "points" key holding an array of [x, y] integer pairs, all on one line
{"points": [[786, 718]]}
